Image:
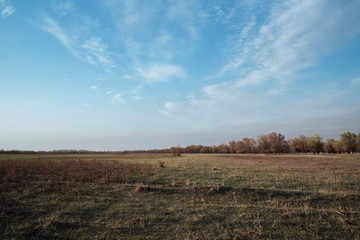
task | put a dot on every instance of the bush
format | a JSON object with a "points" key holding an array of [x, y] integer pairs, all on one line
{"points": [[176, 151]]}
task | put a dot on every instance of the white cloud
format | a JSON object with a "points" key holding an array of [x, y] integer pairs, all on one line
{"points": [[91, 50], [6, 9], [136, 19], [117, 99], [94, 87], [50, 26], [155, 72], [136, 98], [96, 52], [85, 105], [296, 35], [170, 108], [63, 7], [276, 91]]}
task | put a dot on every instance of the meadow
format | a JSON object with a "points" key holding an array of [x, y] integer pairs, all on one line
{"points": [[194, 196]]}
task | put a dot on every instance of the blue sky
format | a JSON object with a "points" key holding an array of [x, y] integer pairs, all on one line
{"points": [[115, 75]]}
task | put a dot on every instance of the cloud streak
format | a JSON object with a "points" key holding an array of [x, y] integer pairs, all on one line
{"points": [[295, 37], [156, 72], [6, 10], [50, 26], [90, 49]]}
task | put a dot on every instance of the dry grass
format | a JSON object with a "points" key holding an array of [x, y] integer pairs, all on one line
{"points": [[142, 188], [205, 196], [336, 163], [68, 170], [161, 164]]}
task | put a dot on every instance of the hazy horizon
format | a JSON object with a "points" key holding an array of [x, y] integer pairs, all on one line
{"points": [[128, 75]]}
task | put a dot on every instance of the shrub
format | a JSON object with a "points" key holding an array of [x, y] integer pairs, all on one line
{"points": [[176, 151]]}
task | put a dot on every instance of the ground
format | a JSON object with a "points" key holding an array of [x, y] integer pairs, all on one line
{"points": [[194, 196]]}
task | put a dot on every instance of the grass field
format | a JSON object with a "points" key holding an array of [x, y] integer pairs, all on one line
{"points": [[195, 196]]}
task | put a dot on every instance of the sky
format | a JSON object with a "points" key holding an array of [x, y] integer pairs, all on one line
{"points": [[125, 75]]}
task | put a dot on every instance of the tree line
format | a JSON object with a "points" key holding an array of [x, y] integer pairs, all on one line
{"points": [[276, 143], [270, 143]]}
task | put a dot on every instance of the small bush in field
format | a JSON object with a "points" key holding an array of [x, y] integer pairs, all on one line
{"points": [[176, 151]]}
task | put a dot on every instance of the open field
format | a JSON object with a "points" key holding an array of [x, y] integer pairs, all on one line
{"points": [[195, 196]]}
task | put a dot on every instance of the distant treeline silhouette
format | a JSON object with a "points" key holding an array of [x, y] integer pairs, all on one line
{"points": [[276, 143], [2, 151], [270, 143]]}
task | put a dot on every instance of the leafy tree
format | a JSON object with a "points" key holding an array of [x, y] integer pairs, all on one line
{"points": [[299, 144], [232, 147], [294, 145], [329, 146], [339, 146], [223, 148], [240, 147], [316, 145], [193, 149], [214, 149], [206, 149], [273, 143], [249, 145], [348, 141], [358, 141]]}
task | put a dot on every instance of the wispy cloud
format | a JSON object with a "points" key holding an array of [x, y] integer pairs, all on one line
{"points": [[96, 52], [136, 98], [52, 27], [62, 7], [149, 32], [118, 98], [91, 50], [170, 109], [85, 105], [296, 35], [6, 9], [155, 72]]}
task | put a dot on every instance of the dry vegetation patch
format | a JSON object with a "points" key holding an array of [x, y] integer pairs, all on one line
{"points": [[68, 170], [338, 163], [224, 196]]}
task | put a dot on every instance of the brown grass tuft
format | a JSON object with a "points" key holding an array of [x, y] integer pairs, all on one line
{"points": [[142, 188]]}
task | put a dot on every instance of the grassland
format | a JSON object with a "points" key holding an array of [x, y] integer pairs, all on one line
{"points": [[156, 196]]}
